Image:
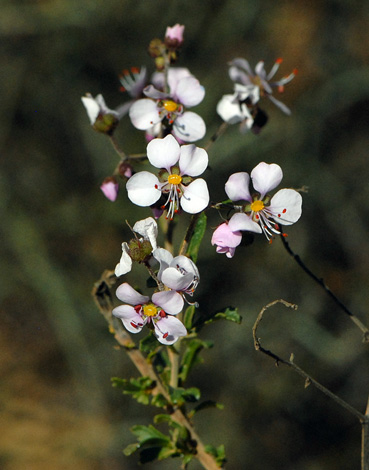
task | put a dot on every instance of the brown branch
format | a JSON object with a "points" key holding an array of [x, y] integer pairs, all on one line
{"points": [[104, 301], [308, 379]]}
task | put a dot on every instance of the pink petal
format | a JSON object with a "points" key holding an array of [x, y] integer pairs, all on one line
{"points": [[266, 177], [224, 237], [170, 301], [143, 188], [195, 197], [189, 92], [237, 187], [110, 188], [163, 153], [286, 206], [193, 160], [128, 294]]}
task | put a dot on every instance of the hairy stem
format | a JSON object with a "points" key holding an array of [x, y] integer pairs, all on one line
{"points": [[324, 286]]}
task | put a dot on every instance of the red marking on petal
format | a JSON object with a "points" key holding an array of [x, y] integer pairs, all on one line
{"points": [[165, 335], [284, 211], [156, 186], [279, 215], [134, 325]]}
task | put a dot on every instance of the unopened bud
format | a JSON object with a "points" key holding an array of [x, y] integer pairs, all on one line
{"points": [[110, 188], [125, 170], [174, 36], [156, 48], [139, 250]]}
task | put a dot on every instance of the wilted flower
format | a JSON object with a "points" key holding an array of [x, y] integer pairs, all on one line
{"points": [[138, 249], [102, 118], [133, 82], [158, 312], [179, 165], [185, 91]]}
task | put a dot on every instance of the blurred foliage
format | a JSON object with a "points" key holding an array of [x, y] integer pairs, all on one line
{"points": [[59, 233]]}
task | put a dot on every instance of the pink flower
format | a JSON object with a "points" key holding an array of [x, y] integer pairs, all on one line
{"points": [[174, 35], [110, 188], [226, 239]]}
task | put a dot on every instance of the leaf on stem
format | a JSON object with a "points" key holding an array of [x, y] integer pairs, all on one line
{"points": [[197, 236], [191, 356]]}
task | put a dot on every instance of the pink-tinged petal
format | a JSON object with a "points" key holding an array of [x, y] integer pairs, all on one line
{"points": [[237, 187], [195, 197], [143, 188], [148, 228], [184, 263], [175, 74], [224, 237], [128, 294], [163, 153], [189, 127], [280, 105], [151, 92], [193, 160], [229, 252], [168, 330], [164, 257], [175, 280], [239, 76], [243, 64], [266, 177], [131, 320], [286, 206], [189, 92], [144, 114], [169, 300], [125, 263], [229, 109], [241, 221], [175, 32], [110, 188]]}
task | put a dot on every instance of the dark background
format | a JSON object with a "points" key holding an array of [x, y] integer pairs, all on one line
{"points": [[58, 232]]}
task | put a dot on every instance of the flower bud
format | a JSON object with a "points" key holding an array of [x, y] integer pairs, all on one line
{"points": [[125, 170], [110, 188], [156, 48], [174, 36], [139, 250]]}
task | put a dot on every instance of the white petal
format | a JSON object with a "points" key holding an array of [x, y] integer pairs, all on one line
{"points": [[175, 74], [125, 263], [169, 329], [143, 188], [131, 320], [195, 197], [185, 264], [148, 228], [193, 160], [169, 300], [243, 64], [229, 110], [173, 279], [92, 107], [128, 294], [237, 187], [189, 127], [266, 177], [241, 221], [260, 70], [144, 114], [286, 206], [163, 153], [151, 92], [189, 91], [164, 257]]}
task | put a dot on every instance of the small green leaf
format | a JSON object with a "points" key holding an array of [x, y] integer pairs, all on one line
{"points": [[149, 343], [218, 453], [188, 316], [130, 449], [191, 356], [205, 405], [180, 396], [197, 236], [159, 400], [139, 388], [148, 435]]}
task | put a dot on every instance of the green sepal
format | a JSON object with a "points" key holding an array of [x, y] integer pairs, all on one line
{"points": [[179, 396], [218, 453], [139, 388], [204, 406], [191, 356], [197, 236]]}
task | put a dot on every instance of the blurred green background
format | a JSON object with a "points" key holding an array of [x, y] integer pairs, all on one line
{"points": [[58, 232]]}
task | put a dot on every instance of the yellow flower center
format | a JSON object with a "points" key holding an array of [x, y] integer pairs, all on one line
{"points": [[150, 310], [174, 179], [170, 106], [257, 206]]}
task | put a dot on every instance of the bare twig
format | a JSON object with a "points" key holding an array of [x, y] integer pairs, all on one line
{"points": [[324, 286]]}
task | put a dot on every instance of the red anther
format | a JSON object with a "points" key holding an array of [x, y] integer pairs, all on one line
{"points": [[162, 207], [137, 308], [134, 325], [277, 226], [270, 241], [281, 89], [284, 211], [285, 235], [135, 70], [122, 89], [178, 190], [162, 314], [279, 60], [176, 211], [125, 72], [257, 217], [295, 71], [165, 335]]}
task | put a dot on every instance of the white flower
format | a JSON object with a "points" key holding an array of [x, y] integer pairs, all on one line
{"points": [[148, 228], [142, 311], [178, 273], [96, 108], [185, 91], [262, 213], [133, 82], [180, 164]]}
